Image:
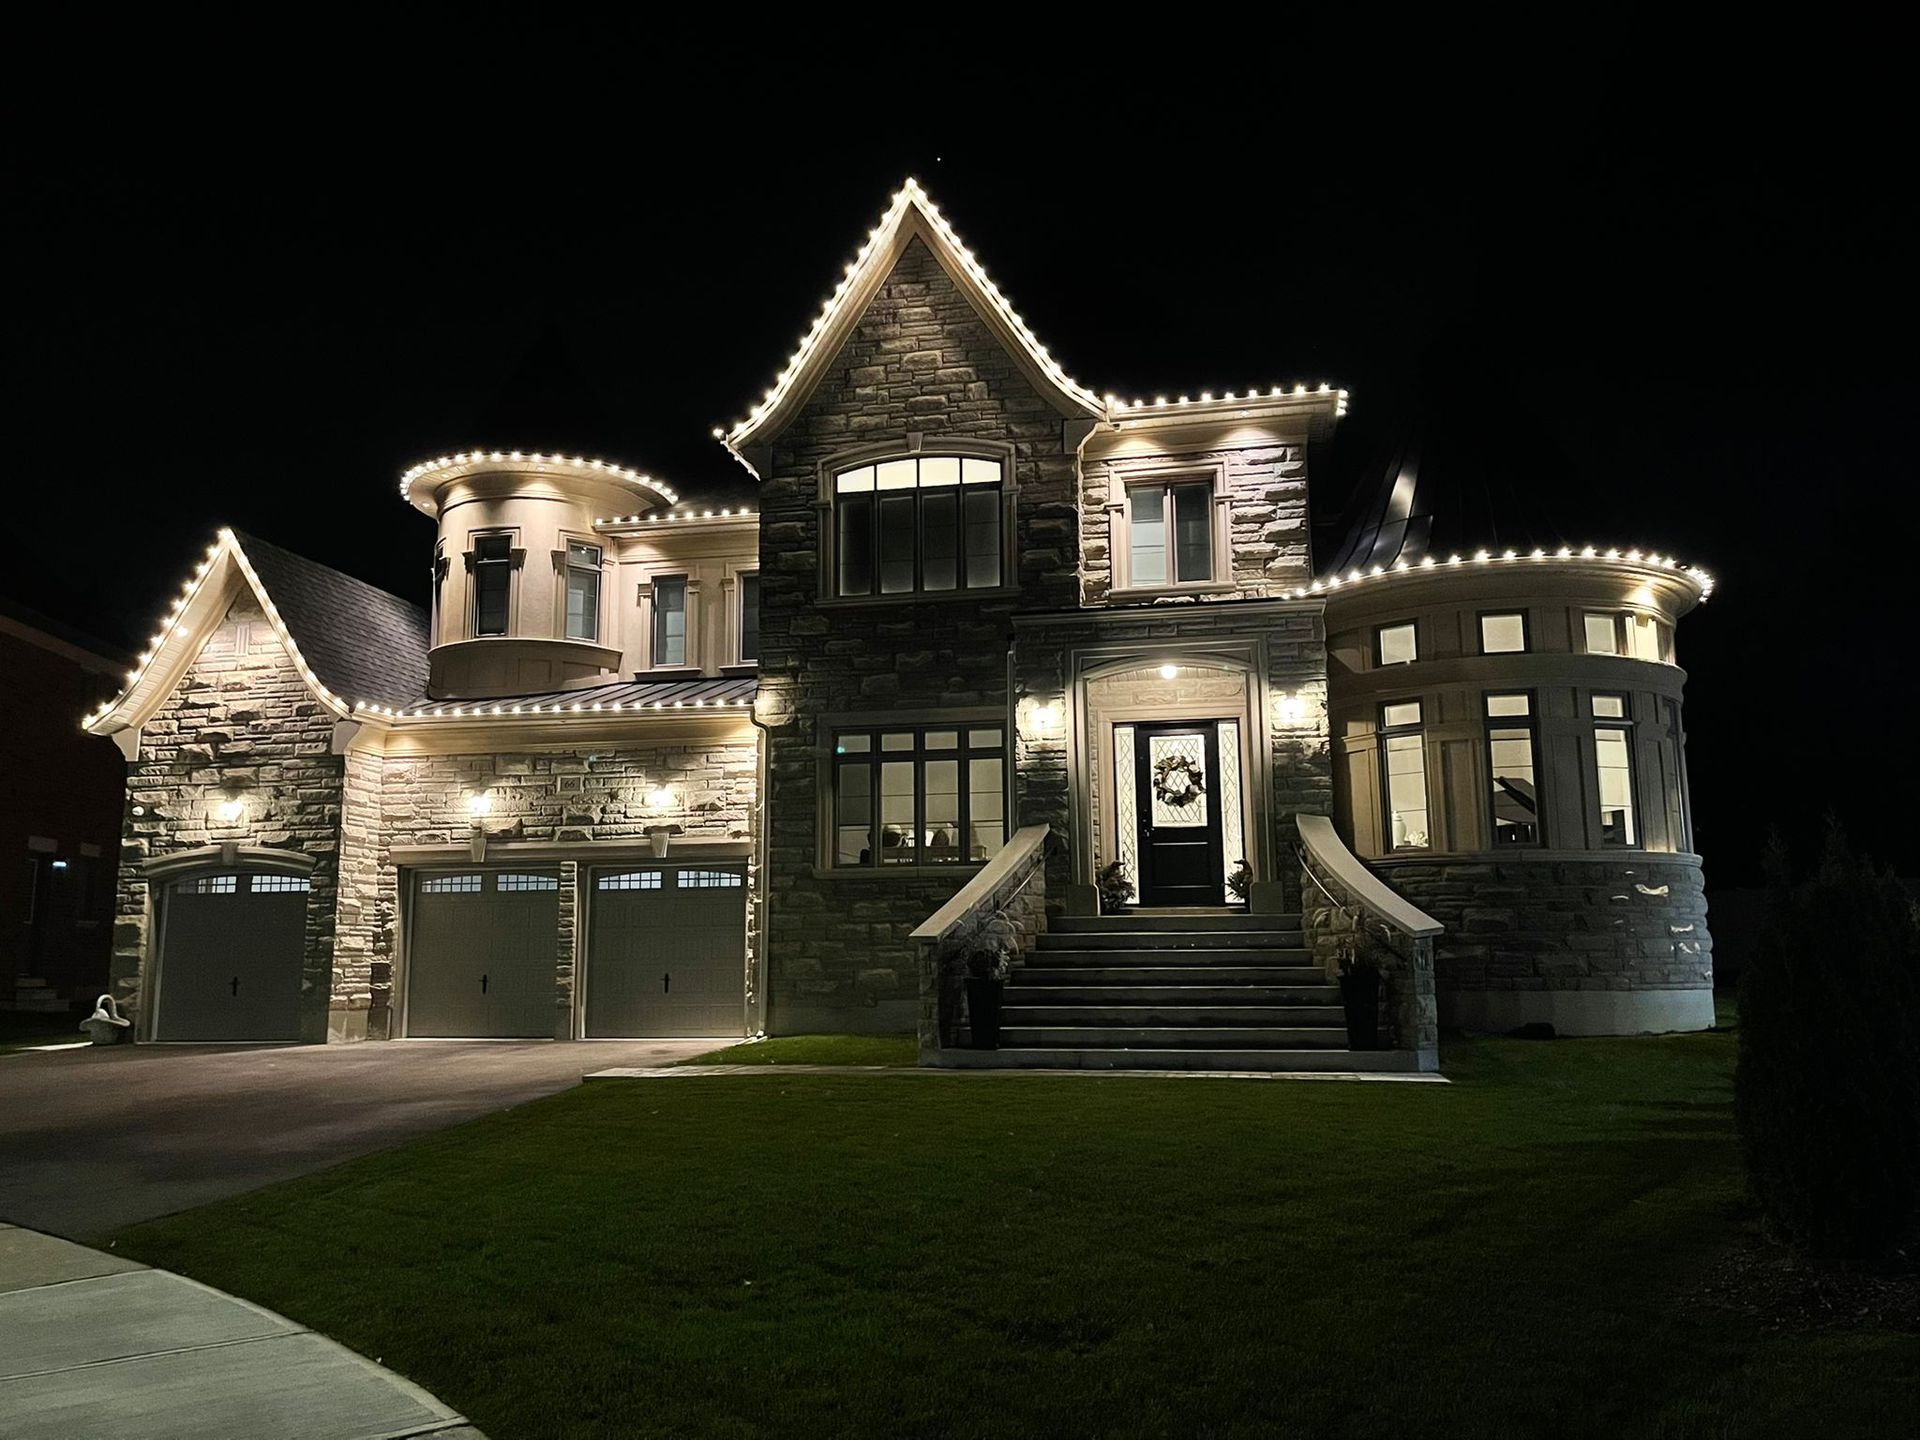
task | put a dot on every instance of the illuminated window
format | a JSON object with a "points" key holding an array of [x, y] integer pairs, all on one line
{"points": [[1403, 763], [583, 591], [1396, 644], [750, 616], [1613, 758], [930, 796], [670, 621], [1503, 634], [454, 885], [630, 880], [1642, 637], [280, 884], [1169, 533], [1510, 767], [513, 884], [929, 524], [1603, 635], [711, 880], [492, 583]]}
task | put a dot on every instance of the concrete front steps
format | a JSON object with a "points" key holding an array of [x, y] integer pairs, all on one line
{"points": [[1176, 990]]}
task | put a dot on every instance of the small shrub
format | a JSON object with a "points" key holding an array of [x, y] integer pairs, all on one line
{"points": [[1827, 1089]]}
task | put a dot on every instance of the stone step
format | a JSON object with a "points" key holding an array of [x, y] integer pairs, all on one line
{"points": [[1266, 938], [1175, 1037], [1107, 972], [1120, 1057], [1068, 992], [1232, 1015], [1291, 957], [1178, 920]]}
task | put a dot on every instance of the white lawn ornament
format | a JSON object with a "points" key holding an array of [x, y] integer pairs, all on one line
{"points": [[106, 1026]]}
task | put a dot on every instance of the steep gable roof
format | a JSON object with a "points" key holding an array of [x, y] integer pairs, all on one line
{"points": [[912, 214], [352, 642]]}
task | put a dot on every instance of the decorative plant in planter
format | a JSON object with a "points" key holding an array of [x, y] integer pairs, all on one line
{"points": [[1241, 880], [986, 967], [1114, 886], [1360, 993]]}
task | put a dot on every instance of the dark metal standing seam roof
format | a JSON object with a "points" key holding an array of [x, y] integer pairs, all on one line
{"points": [[624, 694]]}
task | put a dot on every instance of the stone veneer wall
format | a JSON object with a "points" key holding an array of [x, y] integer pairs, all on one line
{"points": [[920, 361], [241, 721], [1267, 487], [1300, 757], [1591, 944], [561, 797]]}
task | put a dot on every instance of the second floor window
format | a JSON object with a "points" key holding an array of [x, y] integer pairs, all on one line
{"points": [[1613, 760], [1396, 644], [492, 583], [925, 525], [583, 591], [1170, 533], [750, 616], [670, 621]]}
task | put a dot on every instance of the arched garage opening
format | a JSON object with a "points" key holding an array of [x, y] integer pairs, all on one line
{"points": [[232, 949]]}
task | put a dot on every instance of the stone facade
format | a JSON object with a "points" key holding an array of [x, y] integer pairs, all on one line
{"points": [[241, 725], [921, 362], [1589, 944]]}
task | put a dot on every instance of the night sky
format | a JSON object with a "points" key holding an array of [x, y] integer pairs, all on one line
{"points": [[1636, 293]]}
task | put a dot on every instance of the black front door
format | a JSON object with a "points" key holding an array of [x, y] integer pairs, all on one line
{"points": [[1176, 780]]}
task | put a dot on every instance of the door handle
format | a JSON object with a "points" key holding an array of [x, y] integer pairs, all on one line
{"points": [[483, 983]]}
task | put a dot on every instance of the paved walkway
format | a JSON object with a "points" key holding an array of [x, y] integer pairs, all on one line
{"points": [[694, 1072], [91, 1344], [91, 1140]]}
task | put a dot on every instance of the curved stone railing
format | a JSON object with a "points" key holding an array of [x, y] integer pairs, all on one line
{"points": [[1008, 896], [1347, 907]]}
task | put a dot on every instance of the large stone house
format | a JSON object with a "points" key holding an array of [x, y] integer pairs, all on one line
{"points": [[643, 767]]}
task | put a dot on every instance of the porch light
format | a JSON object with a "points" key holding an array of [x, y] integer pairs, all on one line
{"points": [[1169, 672], [1290, 709], [1039, 719], [231, 809], [660, 798], [480, 804]]}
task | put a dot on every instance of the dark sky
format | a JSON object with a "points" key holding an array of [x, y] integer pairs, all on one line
{"points": [[1646, 291]]}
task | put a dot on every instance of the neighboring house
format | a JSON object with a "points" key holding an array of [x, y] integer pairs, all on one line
{"points": [[646, 767], [59, 814]]}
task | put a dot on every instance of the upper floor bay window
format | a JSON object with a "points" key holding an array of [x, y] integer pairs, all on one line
{"points": [[1403, 764], [670, 620], [1503, 633], [1396, 644], [583, 591], [1640, 637], [928, 524], [749, 630], [492, 582], [1169, 533], [1613, 758], [1510, 766], [922, 796]]}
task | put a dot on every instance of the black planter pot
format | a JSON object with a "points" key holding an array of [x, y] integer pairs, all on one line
{"points": [[1360, 994], [983, 1012]]}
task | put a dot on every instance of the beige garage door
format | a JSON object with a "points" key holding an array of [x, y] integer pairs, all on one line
{"points": [[667, 951]]}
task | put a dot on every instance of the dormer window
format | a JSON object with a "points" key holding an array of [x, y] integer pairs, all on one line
{"points": [[583, 591], [927, 524], [492, 583]]}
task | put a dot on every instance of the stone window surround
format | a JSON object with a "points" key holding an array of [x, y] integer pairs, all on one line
{"points": [[1129, 476], [911, 445], [959, 718], [560, 568], [643, 598], [517, 560]]}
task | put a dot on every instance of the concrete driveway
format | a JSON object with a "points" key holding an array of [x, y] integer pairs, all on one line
{"points": [[91, 1140]]}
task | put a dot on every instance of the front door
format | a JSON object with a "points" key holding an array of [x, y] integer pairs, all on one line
{"points": [[1176, 776]]}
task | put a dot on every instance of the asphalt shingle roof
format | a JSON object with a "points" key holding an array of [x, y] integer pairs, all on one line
{"points": [[364, 644]]}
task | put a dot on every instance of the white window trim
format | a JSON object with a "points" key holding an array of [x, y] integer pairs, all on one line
{"points": [[1120, 528]]}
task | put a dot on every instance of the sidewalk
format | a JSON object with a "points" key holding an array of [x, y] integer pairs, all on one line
{"points": [[91, 1344], [698, 1072]]}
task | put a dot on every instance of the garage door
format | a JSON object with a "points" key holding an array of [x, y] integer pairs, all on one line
{"points": [[231, 951], [667, 952], [481, 954]]}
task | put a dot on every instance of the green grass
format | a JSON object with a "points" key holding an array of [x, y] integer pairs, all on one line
{"points": [[818, 1050], [904, 1255]]}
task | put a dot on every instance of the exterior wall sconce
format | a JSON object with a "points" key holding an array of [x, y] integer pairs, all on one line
{"points": [[1290, 709], [1039, 720], [1169, 672], [660, 798], [480, 805], [231, 810]]}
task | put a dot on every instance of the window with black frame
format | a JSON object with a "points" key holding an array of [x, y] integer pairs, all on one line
{"points": [[929, 524], [492, 582], [923, 796], [1510, 766]]}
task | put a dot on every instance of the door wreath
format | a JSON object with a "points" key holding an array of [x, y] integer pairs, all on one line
{"points": [[1177, 781]]}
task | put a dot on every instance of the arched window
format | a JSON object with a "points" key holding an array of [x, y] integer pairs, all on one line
{"points": [[926, 524]]}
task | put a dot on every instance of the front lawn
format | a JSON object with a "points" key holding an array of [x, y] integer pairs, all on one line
{"points": [[967, 1255], [818, 1050]]}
